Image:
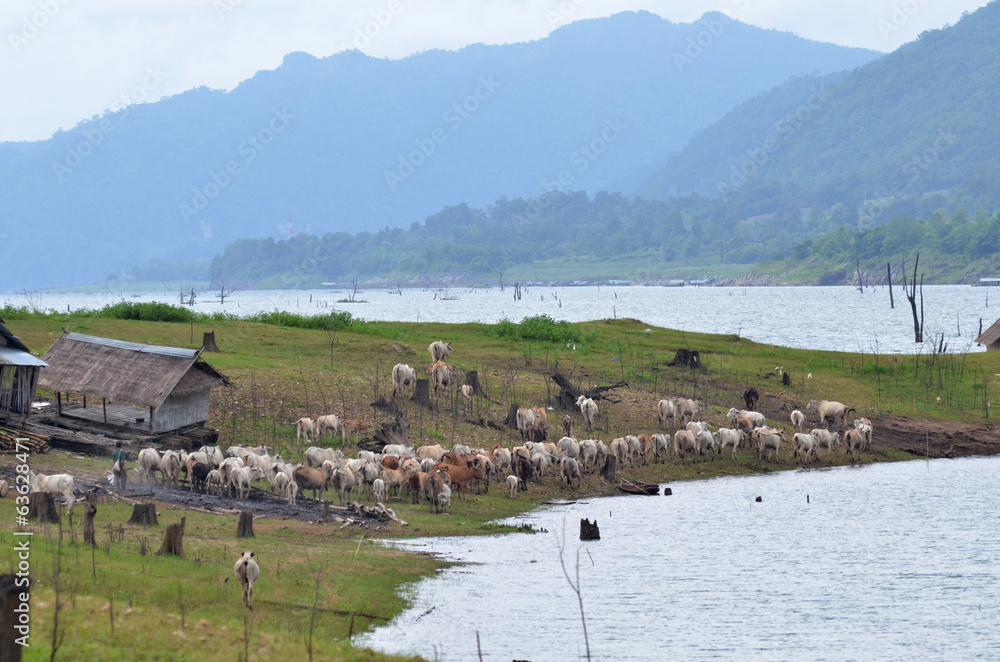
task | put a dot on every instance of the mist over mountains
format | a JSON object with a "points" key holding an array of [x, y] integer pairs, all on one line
{"points": [[598, 105]]}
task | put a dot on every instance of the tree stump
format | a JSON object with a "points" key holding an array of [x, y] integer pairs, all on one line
{"points": [[144, 514], [589, 530], [245, 527], [88, 524], [786, 379], [42, 506], [689, 358], [422, 393], [173, 539], [208, 342], [10, 600], [511, 420], [472, 379], [610, 468]]}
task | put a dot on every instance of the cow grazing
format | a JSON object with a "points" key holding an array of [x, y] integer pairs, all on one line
{"points": [[63, 484], [750, 397], [829, 409], [402, 376], [569, 469], [661, 447], [248, 571], [439, 350], [303, 429], [324, 424], [755, 416], [467, 392], [589, 410]]}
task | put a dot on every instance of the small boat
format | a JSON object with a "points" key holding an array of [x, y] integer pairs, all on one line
{"points": [[639, 487]]}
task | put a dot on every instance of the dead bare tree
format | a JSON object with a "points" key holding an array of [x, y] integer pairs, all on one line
{"points": [[911, 296], [888, 271]]}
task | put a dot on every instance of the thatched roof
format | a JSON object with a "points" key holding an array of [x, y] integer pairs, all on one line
{"points": [[13, 351], [990, 335], [125, 373], [8, 339]]}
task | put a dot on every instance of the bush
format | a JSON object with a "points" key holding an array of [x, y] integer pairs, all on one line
{"points": [[147, 312], [539, 327], [336, 321]]}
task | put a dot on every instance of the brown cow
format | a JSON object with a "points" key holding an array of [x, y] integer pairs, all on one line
{"points": [[390, 462], [646, 446], [536, 433], [353, 426], [567, 423], [311, 479], [743, 423], [460, 476]]}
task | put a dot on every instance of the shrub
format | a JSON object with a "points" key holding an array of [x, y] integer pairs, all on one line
{"points": [[147, 312], [539, 327]]}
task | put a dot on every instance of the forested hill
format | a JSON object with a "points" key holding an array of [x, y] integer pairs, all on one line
{"points": [[565, 236], [922, 118], [336, 139]]}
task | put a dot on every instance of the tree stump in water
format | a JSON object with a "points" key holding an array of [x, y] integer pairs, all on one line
{"points": [[610, 468], [10, 599], [144, 514], [208, 342], [690, 358], [589, 530], [422, 393], [88, 524], [173, 539], [245, 527], [42, 506]]}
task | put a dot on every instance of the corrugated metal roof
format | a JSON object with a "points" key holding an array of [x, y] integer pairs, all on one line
{"points": [[179, 352], [11, 356]]}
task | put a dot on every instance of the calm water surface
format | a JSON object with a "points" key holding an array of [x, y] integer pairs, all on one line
{"points": [[831, 318], [885, 562]]}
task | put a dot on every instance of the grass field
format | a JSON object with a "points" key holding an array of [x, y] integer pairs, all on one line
{"points": [[122, 602]]}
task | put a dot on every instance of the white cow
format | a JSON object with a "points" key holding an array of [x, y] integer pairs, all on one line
{"points": [[402, 376], [323, 424], [148, 463], [830, 409], [315, 457], [667, 409], [439, 350], [248, 571], [687, 409], [755, 416], [729, 437], [805, 444], [825, 438], [798, 420], [661, 447], [55, 484], [569, 469], [513, 484], [378, 489], [589, 410], [303, 428]]}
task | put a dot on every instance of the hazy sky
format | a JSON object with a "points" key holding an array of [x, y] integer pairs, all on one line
{"points": [[62, 61]]}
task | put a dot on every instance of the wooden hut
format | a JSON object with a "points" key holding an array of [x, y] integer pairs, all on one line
{"points": [[990, 337], [18, 376], [150, 388]]}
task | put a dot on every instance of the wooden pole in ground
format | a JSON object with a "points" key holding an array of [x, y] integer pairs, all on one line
{"points": [[88, 524]]}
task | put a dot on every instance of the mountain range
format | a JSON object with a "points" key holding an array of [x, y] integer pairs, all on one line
{"points": [[350, 143]]}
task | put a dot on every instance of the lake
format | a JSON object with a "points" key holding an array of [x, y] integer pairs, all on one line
{"points": [[831, 318], [884, 561]]}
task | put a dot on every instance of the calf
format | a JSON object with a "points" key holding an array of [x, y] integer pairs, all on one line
{"points": [[567, 425], [513, 483], [303, 428], [248, 571]]}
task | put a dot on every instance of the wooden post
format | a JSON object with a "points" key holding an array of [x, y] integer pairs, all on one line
{"points": [[88, 524], [104, 404], [888, 270], [150, 419], [59, 403], [245, 527], [10, 599], [84, 402]]}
